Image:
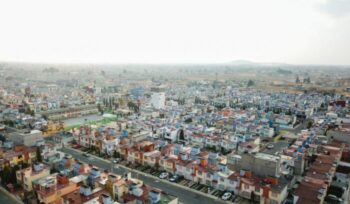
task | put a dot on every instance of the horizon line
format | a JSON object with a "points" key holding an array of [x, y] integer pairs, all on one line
{"points": [[232, 62]]}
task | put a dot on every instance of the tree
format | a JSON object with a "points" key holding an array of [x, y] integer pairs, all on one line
{"points": [[188, 120], [99, 107], [23, 164], [156, 166], [6, 174], [309, 124], [116, 154], [307, 80], [53, 170], [13, 174], [250, 83], [38, 155]]}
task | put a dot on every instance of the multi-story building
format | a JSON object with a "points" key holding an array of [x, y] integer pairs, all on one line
{"points": [[18, 155], [28, 138], [50, 189], [158, 98], [26, 176]]}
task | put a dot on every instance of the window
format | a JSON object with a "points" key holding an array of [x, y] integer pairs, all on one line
{"points": [[232, 182], [222, 179], [273, 194], [208, 175], [199, 173], [246, 186], [257, 190], [188, 169]]}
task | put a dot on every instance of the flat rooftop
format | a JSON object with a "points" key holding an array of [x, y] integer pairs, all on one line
{"points": [[277, 147]]}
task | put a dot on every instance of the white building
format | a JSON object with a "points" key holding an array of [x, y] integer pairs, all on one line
{"points": [[158, 98], [27, 138]]}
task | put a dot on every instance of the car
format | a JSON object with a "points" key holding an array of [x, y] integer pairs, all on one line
{"points": [[270, 146], [86, 155], [226, 196], [333, 199], [163, 175], [174, 178], [116, 161]]}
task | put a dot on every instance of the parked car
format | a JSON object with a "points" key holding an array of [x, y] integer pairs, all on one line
{"points": [[116, 161], [333, 199], [270, 146], [226, 196], [174, 178], [164, 175], [86, 155]]}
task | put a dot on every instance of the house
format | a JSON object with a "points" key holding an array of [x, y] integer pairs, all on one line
{"points": [[168, 163], [18, 155], [151, 158], [84, 195], [50, 189], [26, 176], [185, 167], [117, 186]]}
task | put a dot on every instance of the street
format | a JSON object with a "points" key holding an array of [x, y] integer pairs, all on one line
{"points": [[184, 195], [7, 199]]}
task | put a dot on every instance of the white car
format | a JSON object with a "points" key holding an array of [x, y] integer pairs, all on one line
{"points": [[270, 146], [226, 196], [164, 175]]}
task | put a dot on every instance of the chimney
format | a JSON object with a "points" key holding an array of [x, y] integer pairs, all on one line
{"points": [[272, 180], [61, 179], [203, 162], [248, 174]]}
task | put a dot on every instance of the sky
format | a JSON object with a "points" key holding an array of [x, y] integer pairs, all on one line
{"points": [[179, 31]]}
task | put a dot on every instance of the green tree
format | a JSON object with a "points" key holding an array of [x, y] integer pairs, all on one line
{"points": [[6, 175], [250, 83], [99, 107], [116, 154], [38, 155], [13, 174], [309, 124]]}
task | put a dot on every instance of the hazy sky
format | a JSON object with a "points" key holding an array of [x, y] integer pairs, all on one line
{"points": [[179, 31]]}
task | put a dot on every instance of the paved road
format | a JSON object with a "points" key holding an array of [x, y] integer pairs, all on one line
{"points": [[183, 194], [5, 199]]}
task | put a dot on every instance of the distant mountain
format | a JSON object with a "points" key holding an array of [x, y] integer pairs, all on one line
{"points": [[240, 62], [264, 64]]}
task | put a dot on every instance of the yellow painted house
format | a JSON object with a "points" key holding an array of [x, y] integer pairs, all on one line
{"points": [[26, 176]]}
